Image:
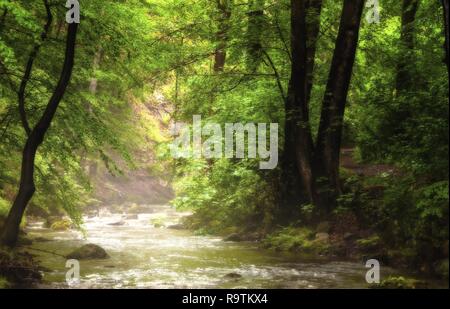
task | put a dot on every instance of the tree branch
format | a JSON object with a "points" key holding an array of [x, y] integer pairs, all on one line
{"points": [[29, 69], [277, 76]]}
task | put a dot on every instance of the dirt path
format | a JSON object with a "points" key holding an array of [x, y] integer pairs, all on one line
{"points": [[367, 170]]}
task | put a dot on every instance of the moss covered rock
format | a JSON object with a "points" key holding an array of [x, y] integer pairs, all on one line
{"points": [[302, 240], [61, 225], [88, 252]]}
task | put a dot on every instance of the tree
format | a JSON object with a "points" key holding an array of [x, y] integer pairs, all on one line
{"points": [[255, 29], [404, 78], [323, 159], [298, 130], [224, 8], [34, 140], [305, 26], [329, 137], [313, 8]]}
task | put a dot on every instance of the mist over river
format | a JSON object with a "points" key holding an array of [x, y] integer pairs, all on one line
{"points": [[144, 253]]}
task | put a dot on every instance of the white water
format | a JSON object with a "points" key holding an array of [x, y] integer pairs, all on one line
{"points": [[143, 256]]}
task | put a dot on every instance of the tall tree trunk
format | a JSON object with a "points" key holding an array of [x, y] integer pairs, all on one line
{"points": [[34, 140], [297, 180], [404, 80], [333, 106], [314, 9], [298, 129], [224, 8], [254, 32], [446, 8]]}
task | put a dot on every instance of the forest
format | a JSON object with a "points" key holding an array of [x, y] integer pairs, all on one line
{"points": [[328, 143]]}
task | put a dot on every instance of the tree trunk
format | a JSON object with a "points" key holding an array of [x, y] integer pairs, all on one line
{"points": [[224, 7], [34, 140], [297, 176], [446, 7], [333, 106], [297, 125], [254, 32], [404, 80], [314, 9]]}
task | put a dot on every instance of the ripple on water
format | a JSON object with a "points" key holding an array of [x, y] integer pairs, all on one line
{"points": [[143, 256]]}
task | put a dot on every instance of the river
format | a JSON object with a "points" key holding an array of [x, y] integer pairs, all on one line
{"points": [[145, 256]]}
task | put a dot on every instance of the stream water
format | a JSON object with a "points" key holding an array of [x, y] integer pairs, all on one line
{"points": [[144, 256]]}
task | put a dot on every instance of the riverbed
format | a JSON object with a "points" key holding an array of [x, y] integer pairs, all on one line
{"points": [[144, 253]]}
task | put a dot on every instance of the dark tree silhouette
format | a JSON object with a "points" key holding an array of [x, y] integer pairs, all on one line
{"points": [[34, 140]]}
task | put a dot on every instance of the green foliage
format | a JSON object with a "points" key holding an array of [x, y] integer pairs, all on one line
{"points": [[61, 225], [101, 117], [4, 207], [399, 283], [369, 244], [406, 127], [224, 194], [142, 64], [295, 240]]}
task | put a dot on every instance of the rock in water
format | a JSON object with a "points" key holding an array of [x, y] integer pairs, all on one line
{"points": [[88, 252], [233, 276], [118, 223], [176, 227]]}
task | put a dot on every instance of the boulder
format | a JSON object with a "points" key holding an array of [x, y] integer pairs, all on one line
{"points": [[88, 252], [176, 227], [61, 225], [233, 276], [118, 223]]}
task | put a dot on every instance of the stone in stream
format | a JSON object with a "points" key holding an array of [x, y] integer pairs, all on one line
{"points": [[87, 252], [176, 227], [233, 276], [118, 223]]}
